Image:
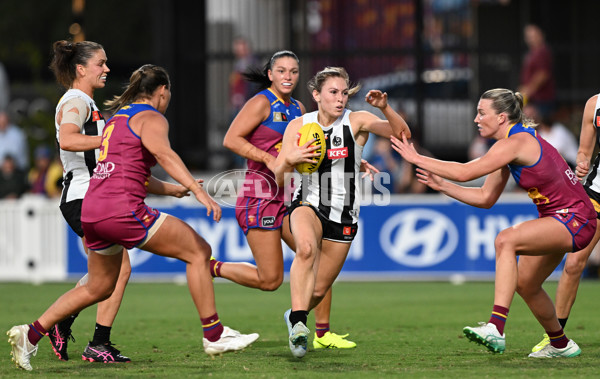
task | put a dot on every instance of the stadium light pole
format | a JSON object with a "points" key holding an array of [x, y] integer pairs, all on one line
{"points": [[76, 28]]}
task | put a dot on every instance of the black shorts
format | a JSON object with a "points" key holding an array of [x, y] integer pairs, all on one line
{"points": [[332, 230], [595, 199], [71, 211]]}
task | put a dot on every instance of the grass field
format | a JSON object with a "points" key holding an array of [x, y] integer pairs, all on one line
{"points": [[401, 328]]}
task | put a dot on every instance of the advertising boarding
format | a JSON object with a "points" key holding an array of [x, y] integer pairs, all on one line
{"points": [[412, 237]]}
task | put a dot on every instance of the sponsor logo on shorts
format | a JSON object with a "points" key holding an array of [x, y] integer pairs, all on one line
{"points": [[267, 221]]}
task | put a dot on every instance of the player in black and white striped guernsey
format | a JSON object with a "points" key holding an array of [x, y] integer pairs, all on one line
{"points": [[324, 212], [81, 68], [333, 189]]}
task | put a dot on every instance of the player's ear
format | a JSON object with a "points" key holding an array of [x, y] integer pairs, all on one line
{"points": [[316, 95]]}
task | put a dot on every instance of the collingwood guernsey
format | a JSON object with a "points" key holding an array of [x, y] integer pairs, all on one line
{"points": [[593, 180], [78, 167], [333, 189]]}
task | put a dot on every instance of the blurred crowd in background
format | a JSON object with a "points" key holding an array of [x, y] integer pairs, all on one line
{"points": [[25, 168], [433, 58]]}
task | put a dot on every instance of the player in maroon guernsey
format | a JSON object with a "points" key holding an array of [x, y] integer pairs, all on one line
{"points": [[114, 216], [566, 223]]}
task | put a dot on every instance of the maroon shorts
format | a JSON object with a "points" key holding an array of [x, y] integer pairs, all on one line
{"points": [[252, 212], [581, 229], [128, 230]]}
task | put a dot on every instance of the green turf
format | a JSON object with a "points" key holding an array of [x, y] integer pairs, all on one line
{"points": [[401, 328]]}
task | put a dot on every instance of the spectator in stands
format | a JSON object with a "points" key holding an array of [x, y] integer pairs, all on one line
{"points": [[479, 146], [537, 75], [45, 177], [240, 90], [560, 137], [385, 161], [13, 182], [408, 179], [13, 142]]}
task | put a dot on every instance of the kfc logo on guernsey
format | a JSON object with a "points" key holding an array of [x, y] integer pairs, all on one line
{"points": [[103, 170], [341, 152], [96, 116]]}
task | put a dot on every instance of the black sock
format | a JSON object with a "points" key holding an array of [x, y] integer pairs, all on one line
{"points": [[66, 323], [298, 316], [563, 322], [101, 335]]}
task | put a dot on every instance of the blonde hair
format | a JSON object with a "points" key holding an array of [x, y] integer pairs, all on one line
{"points": [[509, 102], [316, 83]]}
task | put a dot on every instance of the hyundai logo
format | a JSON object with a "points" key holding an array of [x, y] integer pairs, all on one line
{"points": [[418, 237]]}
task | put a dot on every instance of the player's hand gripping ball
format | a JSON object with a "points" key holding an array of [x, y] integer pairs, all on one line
{"points": [[308, 132]]}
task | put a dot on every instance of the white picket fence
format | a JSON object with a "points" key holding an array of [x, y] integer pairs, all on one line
{"points": [[33, 240]]}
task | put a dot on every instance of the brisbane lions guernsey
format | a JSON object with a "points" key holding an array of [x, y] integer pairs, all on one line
{"points": [[550, 182], [259, 181], [118, 185], [78, 166], [334, 188]]}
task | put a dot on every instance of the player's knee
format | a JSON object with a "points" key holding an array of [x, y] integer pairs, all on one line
{"points": [[305, 250], [205, 247], [201, 250], [524, 290], [574, 266], [102, 291], [270, 284], [504, 241], [269, 280], [317, 295]]}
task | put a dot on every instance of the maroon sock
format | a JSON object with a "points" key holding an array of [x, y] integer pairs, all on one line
{"points": [[321, 329], [212, 327], [558, 339], [498, 318], [36, 332], [215, 268]]}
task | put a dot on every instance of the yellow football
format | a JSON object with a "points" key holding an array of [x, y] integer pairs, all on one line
{"points": [[308, 132]]}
